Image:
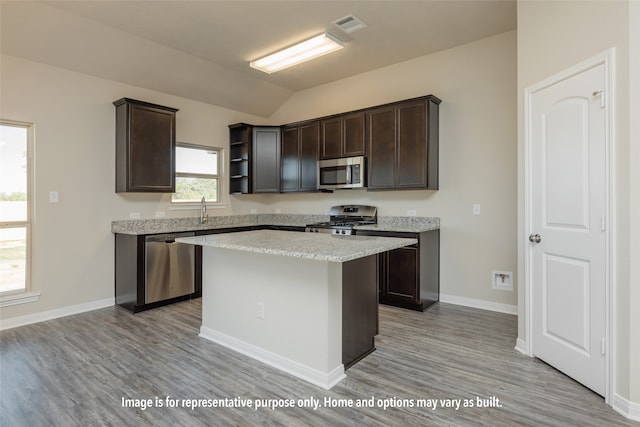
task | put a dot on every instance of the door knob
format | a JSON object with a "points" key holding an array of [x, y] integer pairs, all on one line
{"points": [[534, 238]]}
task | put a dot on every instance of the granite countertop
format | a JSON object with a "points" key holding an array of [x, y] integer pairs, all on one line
{"points": [[176, 225], [409, 224], [319, 247]]}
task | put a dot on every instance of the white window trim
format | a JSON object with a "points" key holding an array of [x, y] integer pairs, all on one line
{"points": [[26, 296], [221, 203], [21, 298]]}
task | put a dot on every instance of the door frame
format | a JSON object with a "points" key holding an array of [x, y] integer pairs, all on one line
{"points": [[607, 59]]}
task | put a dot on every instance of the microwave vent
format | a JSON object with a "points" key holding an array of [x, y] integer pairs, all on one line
{"points": [[349, 24]]}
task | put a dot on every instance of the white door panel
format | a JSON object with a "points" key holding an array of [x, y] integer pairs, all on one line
{"points": [[568, 199], [566, 156], [565, 291]]}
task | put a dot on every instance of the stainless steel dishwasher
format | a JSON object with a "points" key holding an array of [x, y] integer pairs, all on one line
{"points": [[169, 267]]}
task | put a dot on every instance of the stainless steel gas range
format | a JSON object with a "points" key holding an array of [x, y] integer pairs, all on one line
{"points": [[343, 219]]}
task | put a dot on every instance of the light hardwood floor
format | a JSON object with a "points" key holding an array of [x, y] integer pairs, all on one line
{"points": [[76, 370]]}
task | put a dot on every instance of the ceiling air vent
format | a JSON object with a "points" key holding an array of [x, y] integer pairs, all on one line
{"points": [[349, 24]]}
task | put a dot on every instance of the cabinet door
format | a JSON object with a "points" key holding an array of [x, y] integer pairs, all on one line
{"points": [[145, 146], [381, 147], [290, 163], [401, 284], [353, 132], [331, 138], [411, 145], [266, 159], [309, 138]]}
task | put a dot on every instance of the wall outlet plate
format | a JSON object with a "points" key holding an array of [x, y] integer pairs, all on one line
{"points": [[411, 212], [476, 209], [134, 215], [502, 280]]}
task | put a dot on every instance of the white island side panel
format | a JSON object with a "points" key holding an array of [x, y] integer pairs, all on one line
{"points": [[302, 327]]}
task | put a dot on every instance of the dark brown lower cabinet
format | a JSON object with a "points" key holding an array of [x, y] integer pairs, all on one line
{"points": [[409, 277], [359, 309]]}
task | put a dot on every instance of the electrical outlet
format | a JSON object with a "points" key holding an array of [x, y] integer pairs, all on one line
{"points": [[476, 209], [278, 210], [411, 212], [502, 280], [260, 310], [254, 211], [53, 197], [160, 214], [134, 215]]}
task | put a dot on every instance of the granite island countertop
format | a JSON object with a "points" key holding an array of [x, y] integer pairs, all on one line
{"points": [[175, 225], [314, 246]]}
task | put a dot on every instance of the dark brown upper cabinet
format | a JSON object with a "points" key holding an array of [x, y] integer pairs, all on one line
{"points": [[402, 145], [266, 159], [343, 136], [299, 164], [145, 147], [254, 159]]}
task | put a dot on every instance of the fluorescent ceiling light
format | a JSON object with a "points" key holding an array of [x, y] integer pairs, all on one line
{"points": [[301, 52]]}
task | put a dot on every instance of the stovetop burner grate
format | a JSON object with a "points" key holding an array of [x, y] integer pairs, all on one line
{"points": [[342, 219]]}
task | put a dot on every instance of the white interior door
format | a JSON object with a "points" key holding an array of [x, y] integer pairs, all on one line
{"points": [[567, 211]]}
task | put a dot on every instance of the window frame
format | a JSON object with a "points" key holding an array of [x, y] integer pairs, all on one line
{"points": [[8, 298], [219, 177]]}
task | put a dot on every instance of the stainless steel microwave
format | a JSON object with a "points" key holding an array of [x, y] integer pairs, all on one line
{"points": [[347, 172]]}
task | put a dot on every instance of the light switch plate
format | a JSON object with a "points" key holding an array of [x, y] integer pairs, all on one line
{"points": [[53, 196], [476, 209]]}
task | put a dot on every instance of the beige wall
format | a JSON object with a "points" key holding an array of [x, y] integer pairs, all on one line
{"points": [[553, 36]]}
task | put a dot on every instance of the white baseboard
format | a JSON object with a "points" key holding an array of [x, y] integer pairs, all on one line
{"points": [[521, 346], [321, 379], [28, 319], [478, 303], [626, 408]]}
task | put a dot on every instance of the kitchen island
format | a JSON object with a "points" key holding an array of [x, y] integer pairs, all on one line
{"points": [[304, 303]]}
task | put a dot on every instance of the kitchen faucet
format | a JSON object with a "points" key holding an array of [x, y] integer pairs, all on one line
{"points": [[203, 211]]}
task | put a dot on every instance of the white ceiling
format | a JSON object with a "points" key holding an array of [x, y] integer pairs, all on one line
{"points": [[201, 49]]}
